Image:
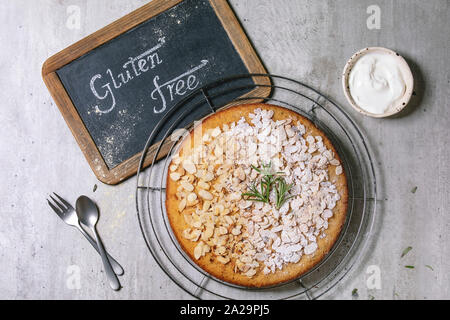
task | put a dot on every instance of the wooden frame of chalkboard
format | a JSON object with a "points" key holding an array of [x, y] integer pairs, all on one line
{"points": [[73, 119]]}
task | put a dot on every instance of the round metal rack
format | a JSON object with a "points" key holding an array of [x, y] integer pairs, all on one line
{"points": [[326, 115]]}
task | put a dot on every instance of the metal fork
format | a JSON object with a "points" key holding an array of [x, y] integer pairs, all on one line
{"points": [[67, 213]]}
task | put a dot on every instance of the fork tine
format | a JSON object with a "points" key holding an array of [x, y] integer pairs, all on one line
{"points": [[58, 204], [63, 201], [58, 212]]}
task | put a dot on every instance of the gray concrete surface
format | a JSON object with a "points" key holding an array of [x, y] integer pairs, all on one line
{"points": [[306, 40]]}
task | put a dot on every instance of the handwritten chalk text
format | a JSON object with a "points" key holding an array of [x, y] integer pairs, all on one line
{"points": [[104, 86]]}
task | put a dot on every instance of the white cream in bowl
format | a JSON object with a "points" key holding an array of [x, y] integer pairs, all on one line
{"points": [[377, 82]]}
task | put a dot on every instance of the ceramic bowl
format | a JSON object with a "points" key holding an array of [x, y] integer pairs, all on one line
{"points": [[404, 69]]}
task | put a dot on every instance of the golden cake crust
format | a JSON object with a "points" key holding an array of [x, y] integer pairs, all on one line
{"points": [[290, 271]]}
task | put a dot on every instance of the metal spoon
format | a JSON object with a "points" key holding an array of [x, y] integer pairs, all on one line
{"points": [[88, 214]]}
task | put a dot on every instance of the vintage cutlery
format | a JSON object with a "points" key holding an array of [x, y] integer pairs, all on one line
{"points": [[87, 212], [67, 213]]}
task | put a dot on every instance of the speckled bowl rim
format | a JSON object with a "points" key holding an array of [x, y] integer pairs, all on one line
{"points": [[404, 69]]}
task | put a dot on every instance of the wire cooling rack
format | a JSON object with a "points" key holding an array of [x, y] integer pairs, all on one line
{"points": [[326, 115]]}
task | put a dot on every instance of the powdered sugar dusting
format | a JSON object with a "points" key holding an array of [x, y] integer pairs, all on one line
{"points": [[283, 236]]}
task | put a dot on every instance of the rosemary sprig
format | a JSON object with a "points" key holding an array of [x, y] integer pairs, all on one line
{"points": [[255, 195], [265, 184], [281, 192], [268, 181]]}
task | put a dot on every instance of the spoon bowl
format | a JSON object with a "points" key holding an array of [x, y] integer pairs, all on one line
{"points": [[87, 211]]}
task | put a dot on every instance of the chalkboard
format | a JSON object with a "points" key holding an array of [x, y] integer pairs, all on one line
{"points": [[137, 69]]}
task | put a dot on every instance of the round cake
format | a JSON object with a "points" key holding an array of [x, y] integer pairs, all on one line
{"points": [[256, 195]]}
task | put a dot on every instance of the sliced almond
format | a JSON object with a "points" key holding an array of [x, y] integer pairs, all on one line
{"points": [[206, 137], [246, 259], [189, 166], [335, 162], [197, 224], [228, 220], [234, 196], [198, 251], [208, 233], [206, 205], [205, 249], [236, 231], [191, 197], [208, 176], [182, 205], [202, 184], [240, 174], [175, 176], [187, 233], [221, 250], [218, 151], [195, 235], [205, 194], [192, 235], [190, 178], [219, 208], [176, 159], [222, 230], [187, 186], [223, 260]]}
